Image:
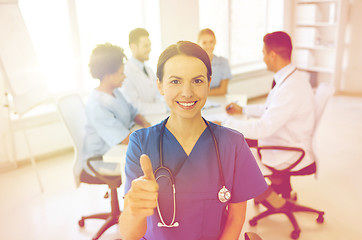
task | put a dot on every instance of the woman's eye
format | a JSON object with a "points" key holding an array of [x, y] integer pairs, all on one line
{"points": [[198, 81], [175, 81]]}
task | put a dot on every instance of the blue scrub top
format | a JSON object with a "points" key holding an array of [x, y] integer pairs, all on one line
{"points": [[198, 210], [220, 71], [109, 120]]}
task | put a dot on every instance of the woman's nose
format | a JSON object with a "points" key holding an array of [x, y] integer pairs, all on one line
{"points": [[187, 91]]}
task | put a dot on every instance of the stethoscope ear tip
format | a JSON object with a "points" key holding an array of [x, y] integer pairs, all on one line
{"points": [[160, 224]]}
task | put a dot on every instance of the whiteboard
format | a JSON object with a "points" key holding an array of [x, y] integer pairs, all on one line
{"points": [[18, 61]]}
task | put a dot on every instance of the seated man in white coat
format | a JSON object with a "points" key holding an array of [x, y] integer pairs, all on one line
{"points": [[139, 87], [287, 117]]}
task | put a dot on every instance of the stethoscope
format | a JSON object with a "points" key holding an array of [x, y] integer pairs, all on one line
{"points": [[224, 194]]}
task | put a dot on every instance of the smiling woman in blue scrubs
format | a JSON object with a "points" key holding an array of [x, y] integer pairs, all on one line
{"points": [[190, 147]]}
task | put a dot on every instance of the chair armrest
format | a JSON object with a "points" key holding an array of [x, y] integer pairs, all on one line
{"points": [[104, 178], [282, 148]]}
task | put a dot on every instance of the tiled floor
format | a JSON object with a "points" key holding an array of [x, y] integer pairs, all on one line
{"points": [[26, 213]]}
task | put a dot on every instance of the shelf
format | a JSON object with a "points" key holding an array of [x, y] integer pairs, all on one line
{"points": [[316, 69], [318, 24], [318, 48], [316, 32], [316, 2]]}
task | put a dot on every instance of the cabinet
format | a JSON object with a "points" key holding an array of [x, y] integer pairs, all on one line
{"points": [[317, 36]]}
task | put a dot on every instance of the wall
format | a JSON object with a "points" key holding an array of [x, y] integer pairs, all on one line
{"points": [[3, 119], [351, 80], [179, 21]]}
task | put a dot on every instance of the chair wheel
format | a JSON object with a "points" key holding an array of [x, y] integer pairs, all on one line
{"points": [[253, 222], [294, 197], [320, 218], [295, 234], [81, 223]]}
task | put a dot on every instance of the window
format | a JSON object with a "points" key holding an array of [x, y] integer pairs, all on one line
{"points": [[51, 26], [111, 21], [239, 26], [48, 26]]}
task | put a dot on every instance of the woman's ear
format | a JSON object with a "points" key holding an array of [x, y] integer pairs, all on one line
{"points": [[160, 87], [208, 83]]}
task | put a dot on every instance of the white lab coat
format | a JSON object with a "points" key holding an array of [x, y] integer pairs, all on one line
{"points": [[286, 119], [141, 90]]}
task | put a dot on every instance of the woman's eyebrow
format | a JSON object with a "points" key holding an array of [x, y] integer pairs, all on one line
{"points": [[172, 76], [199, 76]]}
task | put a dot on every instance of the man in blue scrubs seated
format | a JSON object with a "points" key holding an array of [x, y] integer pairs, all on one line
{"points": [[109, 116], [195, 208]]}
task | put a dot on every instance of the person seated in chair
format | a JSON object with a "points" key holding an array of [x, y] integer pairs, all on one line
{"points": [[287, 117], [109, 116]]}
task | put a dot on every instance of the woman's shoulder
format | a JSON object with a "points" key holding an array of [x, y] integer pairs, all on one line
{"points": [[148, 133], [220, 59], [226, 133], [94, 100]]}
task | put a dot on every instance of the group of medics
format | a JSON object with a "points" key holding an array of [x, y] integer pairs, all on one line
{"points": [[186, 177]]}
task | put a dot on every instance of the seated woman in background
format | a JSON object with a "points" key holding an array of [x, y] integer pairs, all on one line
{"points": [[221, 73], [187, 168], [109, 116]]}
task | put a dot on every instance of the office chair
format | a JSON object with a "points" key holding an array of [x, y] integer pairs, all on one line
{"points": [[252, 236], [72, 111], [279, 204]]}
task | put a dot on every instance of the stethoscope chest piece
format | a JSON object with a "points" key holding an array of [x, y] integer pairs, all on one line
{"points": [[224, 194]]}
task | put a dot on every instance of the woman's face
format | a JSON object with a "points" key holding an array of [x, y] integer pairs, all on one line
{"points": [[207, 42], [184, 85]]}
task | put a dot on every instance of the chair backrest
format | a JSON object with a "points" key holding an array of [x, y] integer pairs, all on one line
{"points": [[323, 93], [72, 110]]}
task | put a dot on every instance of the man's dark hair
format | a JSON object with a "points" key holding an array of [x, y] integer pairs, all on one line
{"points": [[280, 43], [136, 34]]}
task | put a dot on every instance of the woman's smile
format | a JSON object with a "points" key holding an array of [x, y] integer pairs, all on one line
{"points": [[187, 105]]}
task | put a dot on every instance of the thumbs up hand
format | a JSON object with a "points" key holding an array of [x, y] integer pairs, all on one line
{"points": [[146, 166], [141, 199]]}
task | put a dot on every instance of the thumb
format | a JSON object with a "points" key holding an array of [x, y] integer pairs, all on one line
{"points": [[146, 166]]}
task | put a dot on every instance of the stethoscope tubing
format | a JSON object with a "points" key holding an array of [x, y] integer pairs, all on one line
{"points": [[224, 194], [221, 173]]}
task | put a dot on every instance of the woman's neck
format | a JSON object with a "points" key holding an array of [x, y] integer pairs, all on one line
{"points": [[186, 131], [211, 56], [185, 125], [105, 88]]}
